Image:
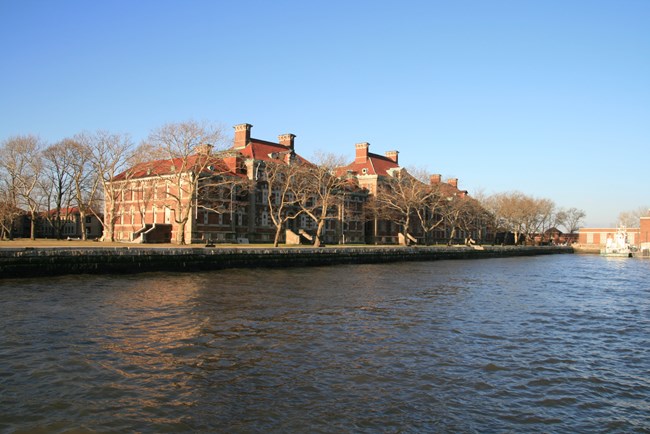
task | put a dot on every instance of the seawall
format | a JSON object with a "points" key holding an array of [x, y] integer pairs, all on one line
{"points": [[35, 262]]}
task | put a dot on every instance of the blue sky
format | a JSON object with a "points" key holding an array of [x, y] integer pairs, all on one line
{"points": [[551, 98]]}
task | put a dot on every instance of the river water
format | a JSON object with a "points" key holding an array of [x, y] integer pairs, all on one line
{"points": [[556, 343]]}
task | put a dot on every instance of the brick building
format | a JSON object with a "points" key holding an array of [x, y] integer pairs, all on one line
{"points": [[153, 198], [224, 197], [597, 237], [644, 236], [371, 171], [638, 237], [70, 223], [154, 194]]}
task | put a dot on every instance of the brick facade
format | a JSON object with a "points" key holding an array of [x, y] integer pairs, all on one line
{"points": [[150, 194], [146, 206], [597, 237]]}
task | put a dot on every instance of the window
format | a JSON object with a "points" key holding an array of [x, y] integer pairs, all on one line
{"points": [[88, 219]]}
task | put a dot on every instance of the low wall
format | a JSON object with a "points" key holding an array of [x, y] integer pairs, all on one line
{"points": [[34, 262]]}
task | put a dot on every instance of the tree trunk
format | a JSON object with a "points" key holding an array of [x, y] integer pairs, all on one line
{"points": [[58, 226], [319, 231], [278, 230], [407, 223], [111, 229], [107, 236], [180, 236], [82, 218], [452, 234], [108, 227], [32, 229]]}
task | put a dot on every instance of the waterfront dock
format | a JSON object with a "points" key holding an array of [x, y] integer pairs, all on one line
{"points": [[50, 261]]}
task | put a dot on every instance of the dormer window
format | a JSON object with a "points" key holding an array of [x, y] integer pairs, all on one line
{"points": [[364, 171]]}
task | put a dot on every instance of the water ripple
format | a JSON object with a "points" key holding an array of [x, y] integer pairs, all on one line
{"points": [[549, 344]]}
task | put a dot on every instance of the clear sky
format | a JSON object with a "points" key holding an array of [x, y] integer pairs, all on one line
{"points": [[551, 98]]}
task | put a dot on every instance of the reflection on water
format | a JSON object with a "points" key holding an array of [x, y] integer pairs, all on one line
{"points": [[545, 344]]}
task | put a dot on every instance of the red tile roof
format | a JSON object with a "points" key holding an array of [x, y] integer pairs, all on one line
{"points": [[374, 165], [65, 211], [267, 151], [214, 164]]}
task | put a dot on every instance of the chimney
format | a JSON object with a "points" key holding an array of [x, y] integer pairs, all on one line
{"points": [[435, 179], [362, 152], [242, 135], [453, 182], [286, 140], [203, 149], [392, 155]]}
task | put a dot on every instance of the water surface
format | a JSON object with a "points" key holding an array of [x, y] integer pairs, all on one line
{"points": [[545, 344]]}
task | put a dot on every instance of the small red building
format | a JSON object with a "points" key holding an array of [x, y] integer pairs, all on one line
{"points": [[597, 237]]}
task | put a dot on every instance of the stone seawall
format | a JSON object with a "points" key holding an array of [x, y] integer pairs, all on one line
{"points": [[34, 262]]}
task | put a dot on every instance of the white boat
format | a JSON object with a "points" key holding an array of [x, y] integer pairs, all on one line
{"points": [[617, 245]]}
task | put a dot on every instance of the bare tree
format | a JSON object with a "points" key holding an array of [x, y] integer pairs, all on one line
{"points": [[631, 218], [520, 214], [570, 219], [109, 155], [279, 178], [400, 196], [8, 199], [8, 211], [319, 190], [508, 210], [222, 192], [460, 214], [434, 206], [85, 181], [540, 217], [57, 182], [187, 147], [142, 190], [20, 159]]}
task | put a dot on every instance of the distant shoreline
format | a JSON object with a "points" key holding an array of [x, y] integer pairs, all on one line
{"points": [[123, 259], [587, 249]]}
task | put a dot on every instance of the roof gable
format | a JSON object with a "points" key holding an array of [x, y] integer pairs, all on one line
{"points": [[207, 163], [268, 151], [373, 165]]}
